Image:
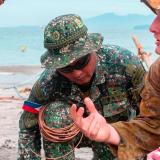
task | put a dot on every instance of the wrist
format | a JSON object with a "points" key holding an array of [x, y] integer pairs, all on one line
{"points": [[113, 136]]}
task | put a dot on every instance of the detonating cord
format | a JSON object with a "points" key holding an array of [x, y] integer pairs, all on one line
{"points": [[57, 134]]}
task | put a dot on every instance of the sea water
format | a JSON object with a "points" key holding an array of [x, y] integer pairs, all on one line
{"points": [[24, 46], [21, 45]]}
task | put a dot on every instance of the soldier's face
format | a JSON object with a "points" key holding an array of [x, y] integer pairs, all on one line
{"points": [[155, 29], [83, 75]]}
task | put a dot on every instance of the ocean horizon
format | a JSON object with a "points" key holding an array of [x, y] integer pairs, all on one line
{"points": [[24, 45]]}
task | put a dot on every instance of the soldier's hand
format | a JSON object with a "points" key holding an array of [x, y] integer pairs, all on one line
{"points": [[94, 126]]}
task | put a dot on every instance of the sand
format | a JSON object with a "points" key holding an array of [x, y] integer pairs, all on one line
{"points": [[10, 105], [21, 69]]}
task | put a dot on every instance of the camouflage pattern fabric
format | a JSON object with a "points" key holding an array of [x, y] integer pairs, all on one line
{"points": [[141, 135], [29, 130], [57, 116], [118, 73], [66, 39]]}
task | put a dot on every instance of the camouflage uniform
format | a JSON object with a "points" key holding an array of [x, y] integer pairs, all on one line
{"points": [[114, 89]]}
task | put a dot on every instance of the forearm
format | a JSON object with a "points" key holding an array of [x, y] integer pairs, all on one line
{"points": [[29, 136], [138, 137], [114, 137]]}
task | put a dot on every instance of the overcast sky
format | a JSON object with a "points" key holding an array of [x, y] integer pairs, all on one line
{"points": [[40, 12]]}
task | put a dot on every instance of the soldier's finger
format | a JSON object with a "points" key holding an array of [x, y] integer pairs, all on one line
{"points": [[80, 112], [73, 111], [77, 115], [94, 128], [86, 122], [90, 105]]}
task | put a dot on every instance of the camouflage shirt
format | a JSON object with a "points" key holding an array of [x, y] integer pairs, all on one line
{"points": [[114, 88]]}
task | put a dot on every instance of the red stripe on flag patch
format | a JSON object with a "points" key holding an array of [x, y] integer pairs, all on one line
{"points": [[29, 109]]}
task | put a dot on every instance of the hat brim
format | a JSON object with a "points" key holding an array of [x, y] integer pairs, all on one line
{"points": [[150, 6], [92, 43]]}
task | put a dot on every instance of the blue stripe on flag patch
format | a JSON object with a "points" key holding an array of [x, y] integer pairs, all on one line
{"points": [[31, 104]]}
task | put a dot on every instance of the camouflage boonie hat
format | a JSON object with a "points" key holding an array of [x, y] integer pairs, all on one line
{"points": [[66, 39]]}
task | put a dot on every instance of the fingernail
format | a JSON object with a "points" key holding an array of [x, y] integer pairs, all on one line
{"points": [[87, 98]]}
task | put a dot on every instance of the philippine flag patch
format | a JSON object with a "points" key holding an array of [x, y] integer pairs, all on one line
{"points": [[31, 107]]}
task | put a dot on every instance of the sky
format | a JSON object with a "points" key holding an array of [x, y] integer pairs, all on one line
{"points": [[40, 12]]}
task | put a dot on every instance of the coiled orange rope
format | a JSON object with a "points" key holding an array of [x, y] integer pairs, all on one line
{"points": [[57, 134]]}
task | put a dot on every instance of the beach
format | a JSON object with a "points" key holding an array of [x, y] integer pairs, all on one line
{"points": [[11, 100], [22, 45]]}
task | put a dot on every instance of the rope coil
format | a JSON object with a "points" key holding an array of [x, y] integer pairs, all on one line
{"points": [[57, 134]]}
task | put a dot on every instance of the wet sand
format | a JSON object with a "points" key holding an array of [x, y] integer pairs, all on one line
{"points": [[21, 69]]}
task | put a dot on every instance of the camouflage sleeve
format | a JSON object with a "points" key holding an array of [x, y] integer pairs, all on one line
{"points": [[138, 137], [133, 68], [42, 92], [136, 71], [36, 94], [127, 65]]}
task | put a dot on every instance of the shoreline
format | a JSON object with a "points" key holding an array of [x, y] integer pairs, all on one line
{"points": [[25, 69], [19, 75]]}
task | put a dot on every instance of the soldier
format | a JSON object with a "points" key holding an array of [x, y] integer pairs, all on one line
{"points": [[131, 140], [77, 65]]}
